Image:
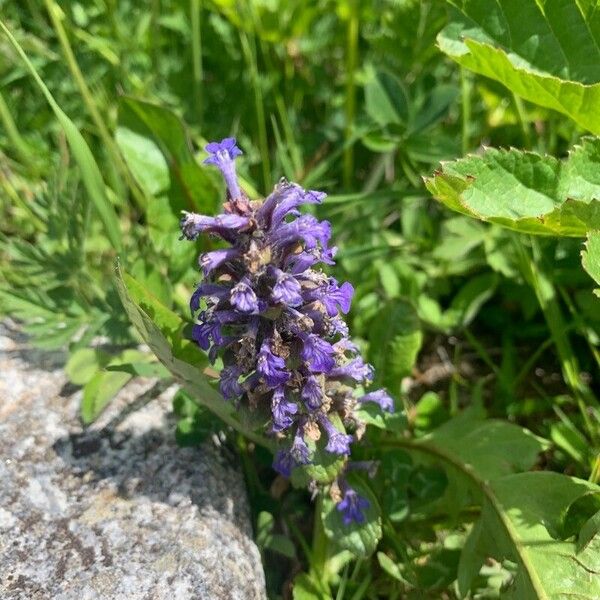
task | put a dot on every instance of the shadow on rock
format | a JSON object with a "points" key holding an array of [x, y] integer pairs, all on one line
{"points": [[149, 463]]}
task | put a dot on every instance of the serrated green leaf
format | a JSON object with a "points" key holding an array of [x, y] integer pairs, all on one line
{"points": [[525, 191], [359, 538], [547, 53]]}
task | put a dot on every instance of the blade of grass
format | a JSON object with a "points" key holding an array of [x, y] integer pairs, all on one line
{"points": [[534, 274], [56, 17], [249, 51], [351, 62], [90, 173], [197, 70]]}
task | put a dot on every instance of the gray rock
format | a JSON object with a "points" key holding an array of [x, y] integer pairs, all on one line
{"points": [[118, 511]]}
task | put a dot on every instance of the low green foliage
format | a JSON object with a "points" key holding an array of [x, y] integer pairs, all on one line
{"points": [[481, 320]]}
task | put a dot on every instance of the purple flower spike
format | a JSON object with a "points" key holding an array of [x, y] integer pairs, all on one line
{"points": [[267, 309], [222, 155], [243, 297], [338, 442], [352, 507], [380, 397]]}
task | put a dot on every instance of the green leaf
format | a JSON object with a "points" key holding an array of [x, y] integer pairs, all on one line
{"points": [[192, 187], [391, 568], [141, 369], [145, 160], [590, 258], [520, 518], [306, 588], [488, 448], [547, 53], [522, 513], [524, 191], [395, 341], [99, 391], [385, 98], [359, 538], [84, 363], [90, 173], [104, 385]]}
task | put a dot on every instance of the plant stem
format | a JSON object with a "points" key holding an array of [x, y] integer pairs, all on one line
{"points": [[352, 32], [320, 547], [197, 69], [21, 147], [546, 294]]}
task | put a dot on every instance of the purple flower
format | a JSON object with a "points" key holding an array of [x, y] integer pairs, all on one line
{"points": [[312, 393], [222, 155], [298, 454], [209, 290], [334, 298], [380, 397], [352, 507], [356, 369], [306, 229], [282, 410], [286, 289], [317, 353], [206, 331], [192, 225], [338, 442], [271, 367], [243, 297], [229, 384], [209, 261]]}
